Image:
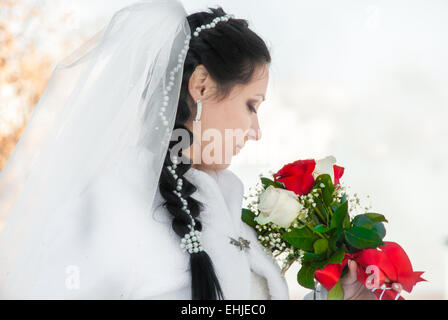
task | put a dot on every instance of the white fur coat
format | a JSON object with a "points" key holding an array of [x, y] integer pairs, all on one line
{"points": [[221, 191], [114, 247]]}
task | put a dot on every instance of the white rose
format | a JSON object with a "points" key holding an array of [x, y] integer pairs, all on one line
{"points": [[325, 166], [278, 206]]}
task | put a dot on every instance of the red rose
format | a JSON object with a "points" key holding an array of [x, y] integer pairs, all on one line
{"points": [[297, 176], [392, 262], [338, 172]]}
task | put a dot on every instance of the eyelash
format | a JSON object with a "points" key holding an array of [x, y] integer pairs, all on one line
{"points": [[251, 107]]}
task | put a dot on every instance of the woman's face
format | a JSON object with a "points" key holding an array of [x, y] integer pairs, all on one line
{"points": [[226, 125]]}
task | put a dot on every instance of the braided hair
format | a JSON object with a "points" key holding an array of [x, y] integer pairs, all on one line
{"points": [[230, 52]]}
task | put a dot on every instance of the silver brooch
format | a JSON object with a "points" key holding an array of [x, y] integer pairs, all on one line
{"points": [[240, 243]]}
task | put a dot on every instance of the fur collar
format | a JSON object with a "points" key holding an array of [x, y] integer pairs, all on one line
{"points": [[222, 193]]}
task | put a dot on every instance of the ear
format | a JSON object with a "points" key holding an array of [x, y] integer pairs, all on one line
{"points": [[199, 82]]}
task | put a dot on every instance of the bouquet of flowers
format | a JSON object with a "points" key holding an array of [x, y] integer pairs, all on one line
{"points": [[303, 215]]}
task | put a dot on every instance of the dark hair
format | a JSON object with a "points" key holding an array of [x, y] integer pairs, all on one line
{"points": [[230, 52]]}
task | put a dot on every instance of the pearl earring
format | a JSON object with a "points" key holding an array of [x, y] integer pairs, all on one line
{"points": [[198, 110]]}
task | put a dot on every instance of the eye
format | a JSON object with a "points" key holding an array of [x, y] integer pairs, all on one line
{"points": [[251, 107]]}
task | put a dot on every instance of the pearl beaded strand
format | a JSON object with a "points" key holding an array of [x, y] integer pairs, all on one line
{"points": [[169, 87], [191, 241], [212, 24]]}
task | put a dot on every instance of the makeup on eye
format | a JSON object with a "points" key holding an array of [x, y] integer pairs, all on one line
{"points": [[253, 102], [251, 107]]}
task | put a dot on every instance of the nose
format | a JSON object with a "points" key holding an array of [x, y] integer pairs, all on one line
{"points": [[254, 131]]}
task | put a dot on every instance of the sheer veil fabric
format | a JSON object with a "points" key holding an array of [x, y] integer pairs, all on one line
{"points": [[102, 102]]}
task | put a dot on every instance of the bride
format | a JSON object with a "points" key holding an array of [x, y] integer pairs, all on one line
{"points": [[118, 188]]}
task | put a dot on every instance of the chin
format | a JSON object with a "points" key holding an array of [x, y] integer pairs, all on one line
{"points": [[213, 166], [222, 166]]}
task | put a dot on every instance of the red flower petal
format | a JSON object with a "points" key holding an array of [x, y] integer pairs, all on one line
{"points": [[374, 257], [297, 176], [338, 172], [405, 274], [331, 273]]}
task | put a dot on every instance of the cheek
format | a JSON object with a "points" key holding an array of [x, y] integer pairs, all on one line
{"points": [[226, 118], [239, 123], [229, 117], [236, 118]]}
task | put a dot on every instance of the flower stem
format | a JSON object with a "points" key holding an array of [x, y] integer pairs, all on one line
{"points": [[312, 230], [329, 210], [320, 214]]}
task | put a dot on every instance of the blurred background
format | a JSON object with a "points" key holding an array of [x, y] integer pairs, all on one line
{"points": [[365, 81]]}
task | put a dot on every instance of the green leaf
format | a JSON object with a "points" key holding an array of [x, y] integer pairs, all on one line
{"points": [[368, 218], [305, 276], [320, 246], [339, 215], [268, 182], [380, 229], [336, 293], [301, 238], [315, 260], [337, 256], [363, 238], [311, 257], [320, 264], [346, 222], [248, 217], [328, 190], [335, 240], [363, 220], [376, 217], [321, 228]]}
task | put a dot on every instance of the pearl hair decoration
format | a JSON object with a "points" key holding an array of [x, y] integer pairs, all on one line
{"points": [[191, 241], [212, 24], [180, 60]]}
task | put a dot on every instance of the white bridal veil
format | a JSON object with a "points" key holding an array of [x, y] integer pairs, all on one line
{"points": [[101, 101]]}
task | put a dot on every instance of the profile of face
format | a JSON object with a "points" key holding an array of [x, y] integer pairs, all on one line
{"points": [[226, 125]]}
